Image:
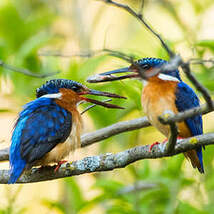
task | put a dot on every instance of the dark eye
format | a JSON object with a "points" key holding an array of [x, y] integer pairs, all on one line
{"points": [[76, 88], [145, 66]]}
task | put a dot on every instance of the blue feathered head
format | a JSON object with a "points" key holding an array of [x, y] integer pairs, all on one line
{"points": [[53, 86], [140, 69]]}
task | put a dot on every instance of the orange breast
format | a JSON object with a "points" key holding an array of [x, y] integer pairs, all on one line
{"points": [[158, 97]]}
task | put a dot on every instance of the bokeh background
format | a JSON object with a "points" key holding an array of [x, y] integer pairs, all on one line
{"points": [[32, 33]]}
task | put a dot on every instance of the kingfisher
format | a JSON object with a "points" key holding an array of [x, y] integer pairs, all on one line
{"points": [[163, 91], [48, 128]]}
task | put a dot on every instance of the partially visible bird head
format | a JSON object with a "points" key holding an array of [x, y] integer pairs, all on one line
{"points": [[72, 92], [145, 68]]}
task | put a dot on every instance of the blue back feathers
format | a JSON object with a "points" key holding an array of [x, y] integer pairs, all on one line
{"points": [[147, 63], [53, 86], [40, 127], [187, 99]]}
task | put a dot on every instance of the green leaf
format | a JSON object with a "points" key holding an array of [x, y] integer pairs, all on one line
{"points": [[206, 44], [184, 207]]}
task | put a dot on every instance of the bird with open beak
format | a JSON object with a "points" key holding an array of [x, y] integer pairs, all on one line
{"points": [[49, 127], [163, 91]]}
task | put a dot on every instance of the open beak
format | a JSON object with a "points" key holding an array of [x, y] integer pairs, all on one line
{"points": [[107, 76], [101, 93]]}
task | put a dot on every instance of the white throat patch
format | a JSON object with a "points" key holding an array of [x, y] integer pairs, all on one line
{"points": [[168, 77], [52, 96]]}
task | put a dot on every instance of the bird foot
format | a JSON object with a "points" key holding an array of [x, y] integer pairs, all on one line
{"points": [[59, 164], [163, 144], [152, 145], [179, 139], [158, 143]]}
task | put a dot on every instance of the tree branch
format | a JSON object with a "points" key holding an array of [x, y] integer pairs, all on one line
{"points": [[107, 162], [101, 134], [137, 187], [186, 69], [173, 134], [140, 18], [124, 126], [25, 71]]}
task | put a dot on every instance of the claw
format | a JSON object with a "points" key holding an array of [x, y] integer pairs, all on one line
{"points": [[179, 138], [152, 145], [158, 143], [59, 164]]}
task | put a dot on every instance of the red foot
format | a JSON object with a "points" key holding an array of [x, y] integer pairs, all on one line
{"points": [[165, 141], [152, 145], [156, 143], [59, 164], [180, 138]]}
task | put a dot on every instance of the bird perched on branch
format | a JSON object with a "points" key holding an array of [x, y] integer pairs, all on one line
{"points": [[49, 127], [163, 91]]}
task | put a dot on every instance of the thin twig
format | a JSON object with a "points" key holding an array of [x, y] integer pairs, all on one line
{"points": [[92, 106], [186, 69], [137, 187], [140, 18], [127, 57], [141, 8], [25, 71], [85, 54], [200, 61]]}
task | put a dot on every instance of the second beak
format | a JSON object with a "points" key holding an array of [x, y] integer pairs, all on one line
{"points": [[102, 93], [107, 76]]}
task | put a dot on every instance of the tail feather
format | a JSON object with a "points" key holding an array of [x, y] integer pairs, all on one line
{"points": [[196, 159], [15, 173]]}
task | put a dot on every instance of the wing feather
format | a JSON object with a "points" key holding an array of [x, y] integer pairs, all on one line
{"points": [[187, 99], [45, 127]]}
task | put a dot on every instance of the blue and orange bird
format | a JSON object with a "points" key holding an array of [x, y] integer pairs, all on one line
{"points": [[49, 127], [163, 91]]}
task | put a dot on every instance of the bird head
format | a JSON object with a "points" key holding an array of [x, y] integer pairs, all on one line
{"points": [[72, 92], [145, 68]]}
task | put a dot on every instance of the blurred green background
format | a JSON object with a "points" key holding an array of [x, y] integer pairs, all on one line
{"points": [[31, 29]]}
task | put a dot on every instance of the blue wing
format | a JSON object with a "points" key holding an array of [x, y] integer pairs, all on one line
{"points": [[187, 99], [40, 127]]}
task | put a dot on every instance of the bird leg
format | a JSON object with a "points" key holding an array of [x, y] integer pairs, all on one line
{"points": [[59, 164], [163, 143], [157, 143], [179, 138]]}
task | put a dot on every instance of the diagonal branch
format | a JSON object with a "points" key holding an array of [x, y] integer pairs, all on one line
{"points": [[124, 126], [25, 71], [186, 69], [140, 18], [107, 162]]}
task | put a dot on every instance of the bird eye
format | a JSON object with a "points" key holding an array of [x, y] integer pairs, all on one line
{"points": [[76, 88], [146, 66]]}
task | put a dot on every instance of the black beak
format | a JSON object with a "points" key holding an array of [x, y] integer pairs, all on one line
{"points": [[102, 93], [107, 76]]}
